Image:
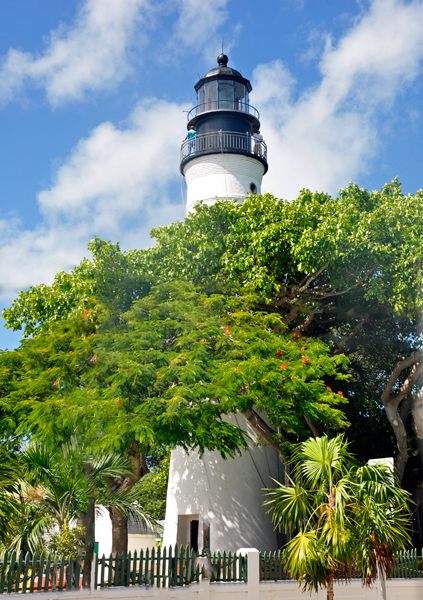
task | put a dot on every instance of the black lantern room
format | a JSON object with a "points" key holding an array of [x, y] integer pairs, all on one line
{"points": [[223, 120]]}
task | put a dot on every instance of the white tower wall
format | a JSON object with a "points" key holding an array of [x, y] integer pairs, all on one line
{"points": [[225, 176], [227, 495]]}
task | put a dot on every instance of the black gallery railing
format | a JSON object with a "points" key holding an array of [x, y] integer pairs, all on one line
{"points": [[223, 105], [222, 141]]}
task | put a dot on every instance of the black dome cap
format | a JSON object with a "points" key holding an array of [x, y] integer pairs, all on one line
{"points": [[222, 60], [222, 71]]}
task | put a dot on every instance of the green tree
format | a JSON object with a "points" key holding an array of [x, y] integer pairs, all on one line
{"points": [[152, 488], [346, 517], [67, 541], [345, 270]]}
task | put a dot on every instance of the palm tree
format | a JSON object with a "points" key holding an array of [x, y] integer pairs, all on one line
{"points": [[67, 484], [9, 505], [347, 518]]}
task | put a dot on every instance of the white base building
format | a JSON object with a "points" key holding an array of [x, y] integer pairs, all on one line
{"points": [[222, 500]]}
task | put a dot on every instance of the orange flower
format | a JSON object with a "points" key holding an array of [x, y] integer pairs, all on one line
{"points": [[283, 366], [329, 389], [341, 394]]}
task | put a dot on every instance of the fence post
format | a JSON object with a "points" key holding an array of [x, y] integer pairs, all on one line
{"points": [[93, 581], [253, 570]]}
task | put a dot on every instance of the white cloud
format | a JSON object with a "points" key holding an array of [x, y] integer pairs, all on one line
{"points": [[91, 54], [197, 26], [115, 183], [326, 137], [96, 51]]}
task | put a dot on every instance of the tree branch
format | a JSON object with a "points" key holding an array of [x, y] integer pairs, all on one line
{"points": [[309, 278], [343, 344], [313, 427], [408, 383], [263, 429]]}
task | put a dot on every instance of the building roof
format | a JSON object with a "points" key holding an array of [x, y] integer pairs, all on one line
{"points": [[140, 528], [222, 71], [222, 68]]}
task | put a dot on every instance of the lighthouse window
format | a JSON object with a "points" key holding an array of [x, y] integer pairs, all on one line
{"points": [[201, 99], [253, 188], [241, 96], [211, 95], [226, 94]]}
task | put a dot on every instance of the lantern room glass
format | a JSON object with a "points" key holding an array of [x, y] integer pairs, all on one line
{"points": [[222, 94], [226, 95]]}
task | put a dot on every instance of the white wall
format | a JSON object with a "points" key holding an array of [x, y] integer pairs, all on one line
{"points": [[226, 493], [141, 541], [103, 533], [225, 176], [397, 589]]}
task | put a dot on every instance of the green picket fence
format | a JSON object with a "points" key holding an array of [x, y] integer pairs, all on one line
{"points": [[167, 567], [408, 564], [41, 573], [272, 567], [156, 567]]}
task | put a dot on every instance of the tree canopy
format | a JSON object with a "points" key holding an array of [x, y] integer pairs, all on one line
{"points": [[344, 273]]}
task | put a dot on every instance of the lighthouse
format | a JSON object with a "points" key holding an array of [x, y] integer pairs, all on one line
{"points": [[224, 155], [214, 504]]}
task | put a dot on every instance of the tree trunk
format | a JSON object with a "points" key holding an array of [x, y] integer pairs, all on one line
{"points": [[87, 520], [417, 413], [391, 402], [398, 426], [119, 532], [329, 588], [119, 521]]}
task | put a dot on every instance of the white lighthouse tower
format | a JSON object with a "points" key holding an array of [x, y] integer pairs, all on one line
{"points": [[225, 158], [214, 503]]}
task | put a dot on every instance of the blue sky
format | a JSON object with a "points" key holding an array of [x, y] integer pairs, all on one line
{"points": [[92, 94]]}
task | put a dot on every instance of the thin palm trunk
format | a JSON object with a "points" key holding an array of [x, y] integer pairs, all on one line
{"points": [[329, 588], [87, 520]]}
